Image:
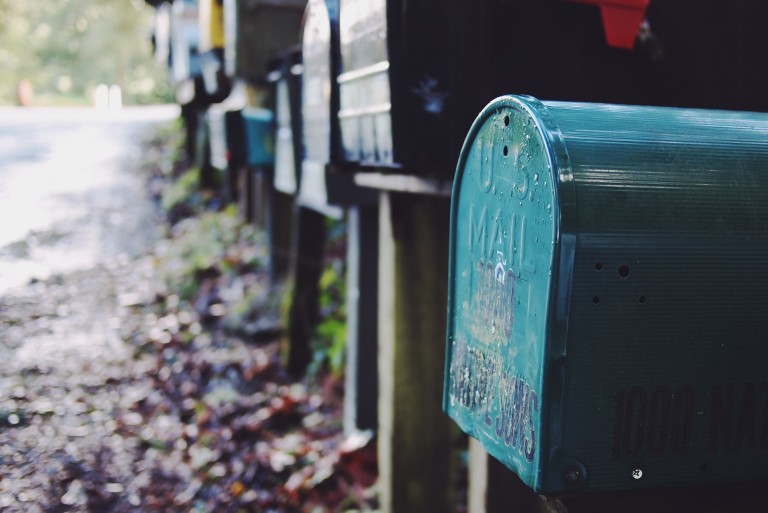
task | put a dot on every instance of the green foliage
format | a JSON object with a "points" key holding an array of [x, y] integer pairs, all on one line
{"points": [[65, 48], [331, 333], [203, 245], [182, 190], [164, 147]]}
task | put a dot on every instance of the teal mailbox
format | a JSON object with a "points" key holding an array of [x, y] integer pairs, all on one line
{"points": [[609, 292]]}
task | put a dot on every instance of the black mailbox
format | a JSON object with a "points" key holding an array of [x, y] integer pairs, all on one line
{"points": [[254, 31], [607, 294], [414, 73]]}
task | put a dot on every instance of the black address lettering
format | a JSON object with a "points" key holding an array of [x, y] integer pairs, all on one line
{"points": [[658, 423]]}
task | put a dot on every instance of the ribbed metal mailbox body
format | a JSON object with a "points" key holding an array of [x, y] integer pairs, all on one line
{"points": [[398, 83], [365, 114], [607, 297]]}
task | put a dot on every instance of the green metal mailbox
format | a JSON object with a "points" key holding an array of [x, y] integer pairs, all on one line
{"points": [[608, 294]]}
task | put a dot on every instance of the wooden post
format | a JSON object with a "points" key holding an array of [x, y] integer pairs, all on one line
{"points": [[246, 195], [306, 266], [361, 380], [281, 226], [262, 189], [416, 461], [493, 488]]}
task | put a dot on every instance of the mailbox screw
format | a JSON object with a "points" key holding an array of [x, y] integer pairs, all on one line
{"points": [[637, 473], [572, 476]]}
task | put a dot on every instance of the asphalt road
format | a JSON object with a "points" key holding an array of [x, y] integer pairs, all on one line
{"points": [[77, 228], [71, 196]]}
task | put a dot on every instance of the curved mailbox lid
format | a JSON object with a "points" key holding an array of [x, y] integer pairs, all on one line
{"points": [[285, 165], [318, 98], [512, 178], [629, 350], [365, 113], [211, 20], [185, 35]]}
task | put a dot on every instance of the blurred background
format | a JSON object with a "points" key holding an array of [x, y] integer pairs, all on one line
{"points": [[57, 52]]}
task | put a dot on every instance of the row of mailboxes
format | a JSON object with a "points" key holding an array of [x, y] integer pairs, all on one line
{"points": [[211, 50], [411, 74], [415, 72], [307, 128], [607, 294], [220, 40], [395, 83]]}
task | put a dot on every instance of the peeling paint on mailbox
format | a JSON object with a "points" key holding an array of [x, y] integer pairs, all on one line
{"points": [[607, 294], [503, 250]]}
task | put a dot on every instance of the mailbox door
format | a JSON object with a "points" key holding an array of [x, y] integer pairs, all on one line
{"points": [[259, 136], [285, 165], [506, 291], [185, 35], [211, 22], [217, 136], [318, 97], [365, 115], [162, 34]]}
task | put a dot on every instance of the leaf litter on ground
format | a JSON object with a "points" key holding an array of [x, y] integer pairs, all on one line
{"points": [[186, 406]]}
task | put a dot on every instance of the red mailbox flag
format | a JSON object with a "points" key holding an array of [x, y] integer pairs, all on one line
{"points": [[621, 19]]}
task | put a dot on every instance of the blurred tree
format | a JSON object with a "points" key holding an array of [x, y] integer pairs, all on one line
{"points": [[65, 48]]}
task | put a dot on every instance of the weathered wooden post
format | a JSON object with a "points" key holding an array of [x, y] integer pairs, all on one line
{"points": [[416, 462], [361, 374], [311, 196], [321, 196]]}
